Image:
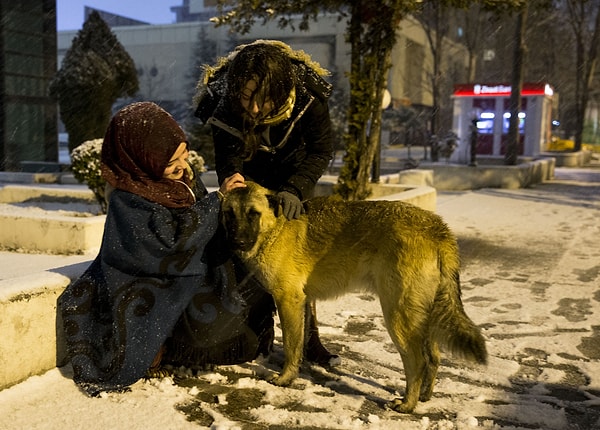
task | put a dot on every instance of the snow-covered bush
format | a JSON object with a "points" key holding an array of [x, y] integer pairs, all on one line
{"points": [[85, 165], [197, 162]]}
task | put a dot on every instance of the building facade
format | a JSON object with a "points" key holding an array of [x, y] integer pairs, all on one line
{"points": [[28, 61], [168, 67]]}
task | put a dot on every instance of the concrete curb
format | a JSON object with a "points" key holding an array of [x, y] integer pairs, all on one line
{"points": [[52, 232], [453, 177], [570, 159], [29, 323], [56, 234], [38, 178]]}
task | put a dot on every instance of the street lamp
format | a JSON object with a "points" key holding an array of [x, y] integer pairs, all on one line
{"points": [[473, 137], [385, 102]]}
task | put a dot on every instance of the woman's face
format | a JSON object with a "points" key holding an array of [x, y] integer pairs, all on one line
{"points": [[178, 163], [252, 101]]}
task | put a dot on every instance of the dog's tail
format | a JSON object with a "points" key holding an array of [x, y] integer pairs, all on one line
{"points": [[450, 325]]}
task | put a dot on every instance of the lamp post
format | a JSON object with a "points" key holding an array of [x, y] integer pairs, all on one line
{"points": [[376, 170], [473, 135], [473, 142]]}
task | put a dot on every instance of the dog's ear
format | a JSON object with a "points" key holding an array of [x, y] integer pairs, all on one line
{"points": [[274, 203]]}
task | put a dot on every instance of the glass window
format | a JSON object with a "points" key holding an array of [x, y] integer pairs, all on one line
{"points": [[506, 122], [485, 123]]}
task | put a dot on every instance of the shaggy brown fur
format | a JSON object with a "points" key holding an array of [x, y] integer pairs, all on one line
{"points": [[405, 255]]}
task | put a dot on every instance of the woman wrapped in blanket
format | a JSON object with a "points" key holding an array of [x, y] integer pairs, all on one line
{"points": [[160, 290]]}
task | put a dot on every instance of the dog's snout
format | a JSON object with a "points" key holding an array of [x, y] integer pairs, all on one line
{"points": [[241, 245]]}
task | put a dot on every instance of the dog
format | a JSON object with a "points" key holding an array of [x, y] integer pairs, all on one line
{"points": [[405, 255]]}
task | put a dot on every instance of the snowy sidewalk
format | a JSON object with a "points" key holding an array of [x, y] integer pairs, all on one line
{"points": [[531, 280]]}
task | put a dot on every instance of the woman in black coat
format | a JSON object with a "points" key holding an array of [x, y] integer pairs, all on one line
{"points": [[267, 105]]}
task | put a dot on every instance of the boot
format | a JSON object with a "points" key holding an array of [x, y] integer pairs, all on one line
{"points": [[156, 370], [315, 351]]}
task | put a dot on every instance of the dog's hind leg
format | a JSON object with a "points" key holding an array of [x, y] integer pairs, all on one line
{"points": [[431, 352], [414, 372], [291, 308], [406, 331]]}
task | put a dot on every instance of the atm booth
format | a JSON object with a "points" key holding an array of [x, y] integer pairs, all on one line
{"points": [[486, 106]]}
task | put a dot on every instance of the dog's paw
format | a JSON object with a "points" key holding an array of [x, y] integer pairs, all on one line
{"points": [[399, 405], [425, 396], [281, 380]]}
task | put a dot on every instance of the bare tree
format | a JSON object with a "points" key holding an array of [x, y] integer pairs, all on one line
{"points": [[514, 104], [434, 19], [585, 23], [473, 19]]}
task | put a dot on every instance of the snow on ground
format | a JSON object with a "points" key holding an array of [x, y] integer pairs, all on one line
{"points": [[531, 272]]}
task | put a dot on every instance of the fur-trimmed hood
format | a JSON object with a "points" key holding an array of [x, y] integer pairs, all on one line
{"points": [[212, 85]]}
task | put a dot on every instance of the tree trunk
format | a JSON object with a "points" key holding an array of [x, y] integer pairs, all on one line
{"points": [[579, 96], [434, 21], [513, 138], [372, 32], [585, 74]]}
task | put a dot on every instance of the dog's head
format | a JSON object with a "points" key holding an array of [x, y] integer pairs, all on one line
{"points": [[248, 215]]}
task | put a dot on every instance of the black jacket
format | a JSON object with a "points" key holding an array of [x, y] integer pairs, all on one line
{"points": [[300, 147]]}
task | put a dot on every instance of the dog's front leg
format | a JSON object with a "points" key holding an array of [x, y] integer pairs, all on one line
{"points": [[291, 306]]}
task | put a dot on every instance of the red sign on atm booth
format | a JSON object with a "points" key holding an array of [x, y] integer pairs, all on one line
{"points": [[486, 106], [501, 90]]}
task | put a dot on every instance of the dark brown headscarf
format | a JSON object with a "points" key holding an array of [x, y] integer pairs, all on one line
{"points": [[139, 142]]}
